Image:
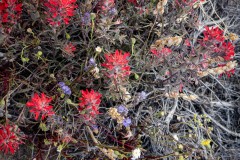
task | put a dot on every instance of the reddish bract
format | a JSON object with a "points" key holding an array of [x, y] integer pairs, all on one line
{"points": [[117, 64], [187, 43], [213, 34], [69, 49], [134, 2], [40, 105], [229, 50], [89, 102], [59, 11], [10, 138], [10, 11], [228, 73], [161, 53]]}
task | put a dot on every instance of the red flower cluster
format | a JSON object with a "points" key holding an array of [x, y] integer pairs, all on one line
{"points": [[161, 53], [69, 49], [117, 64], [213, 34], [134, 2], [89, 103], [40, 105], [228, 49], [60, 11], [10, 11], [187, 43], [10, 138], [228, 73]]}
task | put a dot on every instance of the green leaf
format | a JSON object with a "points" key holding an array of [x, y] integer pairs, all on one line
{"points": [[47, 142], [68, 36], [62, 95], [136, 76], [60, 147], [24, 59], [43, 127]]}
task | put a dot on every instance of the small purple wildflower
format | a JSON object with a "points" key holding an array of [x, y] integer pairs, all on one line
{"points": [[112, 11], [68, 92], [95, 128], [127, 122], [122, 109], [92, 62], [61, 84], [86, 19], [142, 95], [65, 88]]}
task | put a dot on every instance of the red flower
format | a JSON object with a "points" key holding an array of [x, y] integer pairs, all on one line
{"points": [[40, 105], [69, 48], [216, 37], [229, 50], [60, 11], [187, 43], [213, 34], [226, 50], [10, 138], [134, 2], [10, 11], [89, 102], [228, 73], [161, 53], [117, 64]]}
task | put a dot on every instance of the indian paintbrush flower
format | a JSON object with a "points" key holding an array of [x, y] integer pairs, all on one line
{"points": [[40, 105], [10, 138], [89, 104], [60, 11], [10, 11], [117, 64], [69, 48]]}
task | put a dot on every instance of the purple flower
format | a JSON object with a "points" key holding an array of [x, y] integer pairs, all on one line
{"points": [[142, 95], [86, 19], [61, 84], [68, 92], [94, 127], [127, 121], [112, 11], [65, 88], [92, 62], [122, 109]]}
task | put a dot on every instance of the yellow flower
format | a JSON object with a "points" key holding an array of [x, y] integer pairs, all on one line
{"points": [[181, 157], [206, 142]]}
